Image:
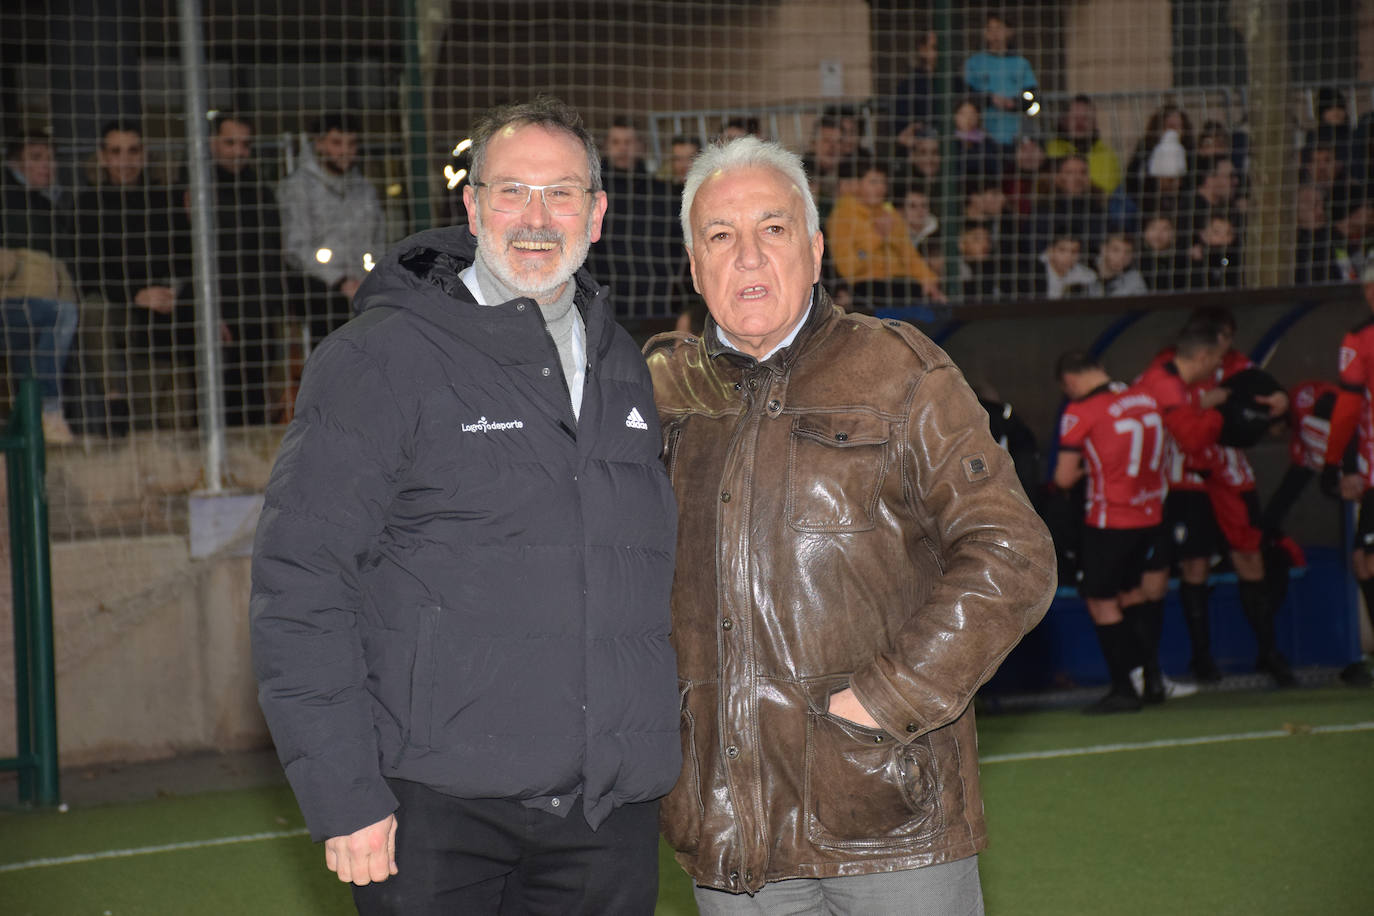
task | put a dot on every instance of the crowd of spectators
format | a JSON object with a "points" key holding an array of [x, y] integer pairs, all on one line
{"points": [[96, 281], [98, 306]]}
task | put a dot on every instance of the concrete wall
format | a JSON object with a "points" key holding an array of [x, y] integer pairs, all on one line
{"points": [[163, 673]]}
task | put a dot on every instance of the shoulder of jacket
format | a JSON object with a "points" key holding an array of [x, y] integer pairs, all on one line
{"points": [[1363, 326], [667, 345], [905, 341]]}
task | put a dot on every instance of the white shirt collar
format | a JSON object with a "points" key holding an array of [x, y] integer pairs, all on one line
{"points": [[786, 342]]}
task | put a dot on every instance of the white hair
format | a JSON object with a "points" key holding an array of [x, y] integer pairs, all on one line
{"points": [[746, 152]]}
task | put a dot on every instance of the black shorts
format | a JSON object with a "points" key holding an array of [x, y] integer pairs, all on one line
{"points": [[1115, 559], [1364, 529], [1191, 525]]}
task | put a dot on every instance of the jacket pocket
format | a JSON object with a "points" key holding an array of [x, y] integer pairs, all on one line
{"points": [[422, 675], [835, 468], [866, 790], [681, 812], [671, 434]]}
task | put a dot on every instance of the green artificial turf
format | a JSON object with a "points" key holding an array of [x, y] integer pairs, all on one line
{"points": [[1262, 826]]}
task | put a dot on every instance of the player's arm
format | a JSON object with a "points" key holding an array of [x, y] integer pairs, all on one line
{"points": [[1068, 469], [1349, 400]]}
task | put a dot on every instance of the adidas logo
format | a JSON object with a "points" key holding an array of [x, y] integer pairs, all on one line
{"points": [[634, 420]]}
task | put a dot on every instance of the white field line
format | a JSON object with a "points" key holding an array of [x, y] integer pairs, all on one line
{"points": [[1176, 742], [151, 850], [990, 759]]}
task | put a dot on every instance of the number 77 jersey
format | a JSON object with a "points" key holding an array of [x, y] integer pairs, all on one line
{"points": [[1120, 434]]}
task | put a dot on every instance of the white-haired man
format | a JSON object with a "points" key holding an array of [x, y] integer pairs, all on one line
{"points": [[855, 557]]}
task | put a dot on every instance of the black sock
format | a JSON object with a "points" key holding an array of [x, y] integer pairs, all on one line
{"points": [[1119, 651], [1193, 597], [1259, 613], [1367, 589]]}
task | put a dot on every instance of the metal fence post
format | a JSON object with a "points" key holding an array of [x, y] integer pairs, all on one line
{"points": [[31, 574]]}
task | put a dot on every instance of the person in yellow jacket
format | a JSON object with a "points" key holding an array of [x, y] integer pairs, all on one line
{"points": [[868, 241]]}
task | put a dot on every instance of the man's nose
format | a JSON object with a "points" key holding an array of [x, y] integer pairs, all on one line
{"points": [[535, 212], [749, 255]]}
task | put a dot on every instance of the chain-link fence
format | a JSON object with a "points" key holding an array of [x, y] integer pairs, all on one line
{"points": [[158, 284]]}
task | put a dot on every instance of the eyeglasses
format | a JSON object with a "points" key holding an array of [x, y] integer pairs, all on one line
{"points": [[513, 197]]}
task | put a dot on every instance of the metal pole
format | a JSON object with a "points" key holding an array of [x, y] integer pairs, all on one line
{"points": [[414, 104], [951, 204], [203, 243], [42, 669], [19, 430]]}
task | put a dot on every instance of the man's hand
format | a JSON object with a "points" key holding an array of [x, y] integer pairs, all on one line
{"points": [[364, 856], [1213, 397], [1276, 402], [160, 299], [847, 706], [1352, 487]]}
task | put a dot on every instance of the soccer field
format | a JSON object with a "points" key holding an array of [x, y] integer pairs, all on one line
{"points": [[1245, 803]]}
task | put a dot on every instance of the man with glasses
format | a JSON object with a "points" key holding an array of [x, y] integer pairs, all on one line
{"points": [[461, 576]]}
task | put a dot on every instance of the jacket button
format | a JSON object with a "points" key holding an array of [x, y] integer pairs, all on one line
{"points": [[749, 876], [727, 624], [753, 384], [912, 727], [732, 752], [520, 306], [877, 739], [738, 386], [734, 877], [725, 497], [775, 405], [842, 437], [556, 802], [545, 372], [690, 340]]}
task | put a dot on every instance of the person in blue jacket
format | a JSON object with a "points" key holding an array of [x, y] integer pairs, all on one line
{"points": [[1000, 77]]}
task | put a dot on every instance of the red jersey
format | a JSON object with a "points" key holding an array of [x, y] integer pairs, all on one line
{"points": [[1192, 431], [1228, 464], [1357, 377], [1120, 434], [1307, 440]]}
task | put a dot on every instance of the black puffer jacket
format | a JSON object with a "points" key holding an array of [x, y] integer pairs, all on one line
{"points": [[454, 581]]}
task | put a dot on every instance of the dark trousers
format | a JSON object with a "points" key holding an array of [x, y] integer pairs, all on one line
{"points": [[495, 856]]}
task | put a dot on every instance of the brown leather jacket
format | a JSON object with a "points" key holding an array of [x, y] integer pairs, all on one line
{"points": [[845, 519]]}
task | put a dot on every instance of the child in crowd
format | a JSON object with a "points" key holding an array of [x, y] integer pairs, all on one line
{"points": [[921, 225], [979, 278], [1062, 276], [1162, 265], [1115, 271], [975, 153], [1215, 256]]}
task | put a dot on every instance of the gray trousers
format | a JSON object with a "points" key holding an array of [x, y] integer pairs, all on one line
{"points": [[951, 889]]}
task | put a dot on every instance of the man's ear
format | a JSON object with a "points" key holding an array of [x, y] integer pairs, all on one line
{"points": [[599, 204], [692, 268]]}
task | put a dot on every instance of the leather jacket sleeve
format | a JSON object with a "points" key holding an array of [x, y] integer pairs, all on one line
{"points": [[997, 564]]}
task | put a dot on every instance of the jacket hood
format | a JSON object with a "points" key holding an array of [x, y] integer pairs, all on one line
{"points": [[421, 274]]}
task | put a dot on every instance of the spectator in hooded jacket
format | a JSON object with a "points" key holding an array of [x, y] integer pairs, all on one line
{"points": [[460, 581], [332, 224]]}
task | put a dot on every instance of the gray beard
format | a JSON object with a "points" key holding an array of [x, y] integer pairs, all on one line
{"points": [[575, 254]]}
